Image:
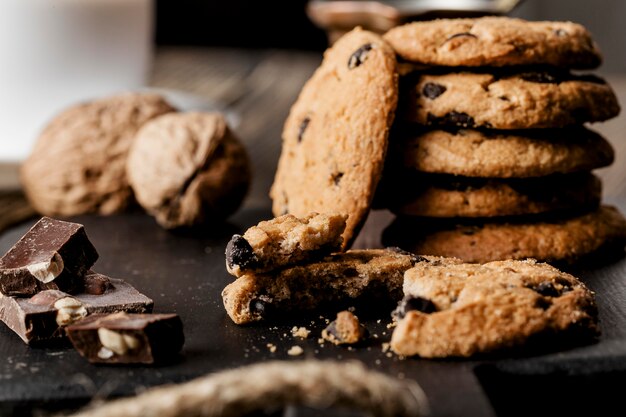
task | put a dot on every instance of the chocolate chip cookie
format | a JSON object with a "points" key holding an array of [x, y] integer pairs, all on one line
{"points": [[500, 154], [556, 238], [335, 138], [495, 42], [284, 240], [339, 277], [526, 100], [459, 309], [438, 195]]}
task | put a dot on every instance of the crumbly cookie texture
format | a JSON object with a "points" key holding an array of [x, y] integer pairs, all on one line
{"points": [[335, 138], [283, 241], [495, 41], [78, 163], [339, 277], [436, 195], [188, 169], [345, 330], [459, 309], [559, 239], [509, 100], [502, 154]]}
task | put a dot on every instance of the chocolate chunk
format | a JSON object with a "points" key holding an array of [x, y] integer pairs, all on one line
{"points": [[303, 126], [547, 289], [53, 254], [345, 330], [337, 177], [460, 35], [42, 317], [433, 90], [351, 273], [410, 303], [259, 307], [359, 56], [128, 338], [543, 303], [452, 118], [240, 253]]}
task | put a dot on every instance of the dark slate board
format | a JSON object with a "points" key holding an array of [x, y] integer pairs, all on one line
{"points": [[185, 273]]}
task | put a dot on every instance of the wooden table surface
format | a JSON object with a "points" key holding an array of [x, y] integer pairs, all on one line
{"points": [[259, 87]]}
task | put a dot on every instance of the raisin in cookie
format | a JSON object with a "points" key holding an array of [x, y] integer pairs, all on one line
{"points": [[437, 195], [284, 240], [508, 100], [341, 276], [458, 309], [495, 42], [500, 154], [335, 138], [79, 162], [550, 239], [188, 169]]}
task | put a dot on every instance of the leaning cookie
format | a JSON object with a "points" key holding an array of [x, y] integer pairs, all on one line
{"points": [[78, 163], [458, 309], [188, 169], [335, 138], [495, 42], [437, 195], [283, 241], [525, 100], [339, 277], [502, 154], [551, 239]]}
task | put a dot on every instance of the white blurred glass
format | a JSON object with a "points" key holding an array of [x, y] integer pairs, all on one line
{"points": [[54, 53]]}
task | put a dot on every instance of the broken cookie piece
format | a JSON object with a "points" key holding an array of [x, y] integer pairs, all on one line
{"points": [[128, 338], [376, 273], [44, 316], [283, 241], [345, 330], [53, 254]]}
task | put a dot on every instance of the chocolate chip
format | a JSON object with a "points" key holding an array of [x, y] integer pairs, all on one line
{"points": [[462, 34], [303, 126], [540, 77], [240, 253], [452, 118], [337, 177], [417, 303], [351, 272], [543, 303], [258, 307], [359, 56], [433, 90], [547, 289]]}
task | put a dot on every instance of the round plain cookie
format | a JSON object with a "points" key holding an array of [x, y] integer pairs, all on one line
{"points": [[499, 154], [449, 196], [78, 163], [335, 138], [495, 41], [562, 239], [458, 309], [508, 100], [188, 169]]}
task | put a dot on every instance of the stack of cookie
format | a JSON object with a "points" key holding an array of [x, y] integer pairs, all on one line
{"points": [[489, 158]]}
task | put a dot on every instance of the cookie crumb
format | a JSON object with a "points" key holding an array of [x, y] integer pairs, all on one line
{"points": [[345, 330], [295, 351], [301, 332], [386, 347], [271, 347]]}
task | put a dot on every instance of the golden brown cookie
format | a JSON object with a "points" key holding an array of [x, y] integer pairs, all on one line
{"points": [[335, 138], [558, 238], [188, 169], [284, 240], [507, 100], [500, 154], [458, 309], [437, 195], [79, 162], [495, 42], [342, 276]]}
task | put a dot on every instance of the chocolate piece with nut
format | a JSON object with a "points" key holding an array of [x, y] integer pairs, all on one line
{"points": [[128, 338], [53, 254], [44, 316], [345, 330]]}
